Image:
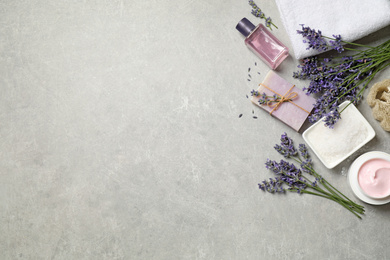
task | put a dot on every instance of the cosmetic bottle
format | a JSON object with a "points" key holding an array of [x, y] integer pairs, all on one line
{"points": [[263, 43]]}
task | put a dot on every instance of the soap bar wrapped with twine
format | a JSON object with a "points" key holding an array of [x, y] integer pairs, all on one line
{"points": [[283, 100]]}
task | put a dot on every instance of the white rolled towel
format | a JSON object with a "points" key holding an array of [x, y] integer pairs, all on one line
{"points": [[352, 19]]}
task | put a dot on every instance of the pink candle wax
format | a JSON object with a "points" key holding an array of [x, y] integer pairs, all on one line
{"points": [[374, 178]]}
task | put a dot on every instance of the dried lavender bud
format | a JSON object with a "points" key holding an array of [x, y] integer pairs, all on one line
{"points": [[255, 93], [272, 186], [336, 44], [288, 145], [256, 11], [338, 80], [268, 22], [307, 166], [313, 38], [303, 151], [331, 118], [291, 176]]}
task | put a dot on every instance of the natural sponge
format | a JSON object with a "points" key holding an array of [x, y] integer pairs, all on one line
{"points": [[379, 99]]}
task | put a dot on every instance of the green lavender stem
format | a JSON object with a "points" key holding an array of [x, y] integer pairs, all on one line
{"points": [[333, 193], [256, 11], [334, 199], [336, 196]]}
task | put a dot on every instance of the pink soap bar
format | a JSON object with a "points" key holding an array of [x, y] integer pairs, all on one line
{"points": [[293, 113]]}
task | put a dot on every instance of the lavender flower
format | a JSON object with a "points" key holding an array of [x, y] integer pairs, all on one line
{"points": [[286, 147], [337, 44], [306, 163], [255, 93], [331, 118], [287, 174], [313, 38], [337, 80], [268, 22], [303, 151], [256, 11], [288, 143], [265, 99], [272, 186]]}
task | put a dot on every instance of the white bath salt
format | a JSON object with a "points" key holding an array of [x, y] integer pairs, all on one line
{"points": [[348, 133]]}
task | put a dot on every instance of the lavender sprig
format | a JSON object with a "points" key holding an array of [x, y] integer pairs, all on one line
{"points": [[295, 179], [256, 11], [338, 80], [266, 99]]}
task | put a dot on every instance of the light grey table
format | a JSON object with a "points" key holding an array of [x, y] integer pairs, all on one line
{"points": [[120, 139]]}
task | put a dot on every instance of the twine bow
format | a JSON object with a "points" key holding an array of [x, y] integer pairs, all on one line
{"points": [[288, 97]]}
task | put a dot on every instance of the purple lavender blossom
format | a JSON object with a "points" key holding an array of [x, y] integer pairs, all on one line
{"points": [[256, 11], [303, 151], [272, 186], [333, 82], [286, 147], [338, 80], [287, 142], [268, 22], [255, 93], [313, 38], [331, 118], [317, 41], [306, 164], [287, 174], [264, 99], [336, 43]]}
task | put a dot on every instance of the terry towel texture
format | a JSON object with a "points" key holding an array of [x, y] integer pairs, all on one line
{"points": [[352, 19]]}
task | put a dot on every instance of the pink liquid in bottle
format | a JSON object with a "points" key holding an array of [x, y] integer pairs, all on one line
{"points": [[263, 43]]}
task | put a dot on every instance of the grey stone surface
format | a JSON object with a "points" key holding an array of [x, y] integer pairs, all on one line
{"points": [[120, 139]]}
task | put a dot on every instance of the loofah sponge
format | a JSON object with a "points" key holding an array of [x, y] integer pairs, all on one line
{"points": [[379, 99]]}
